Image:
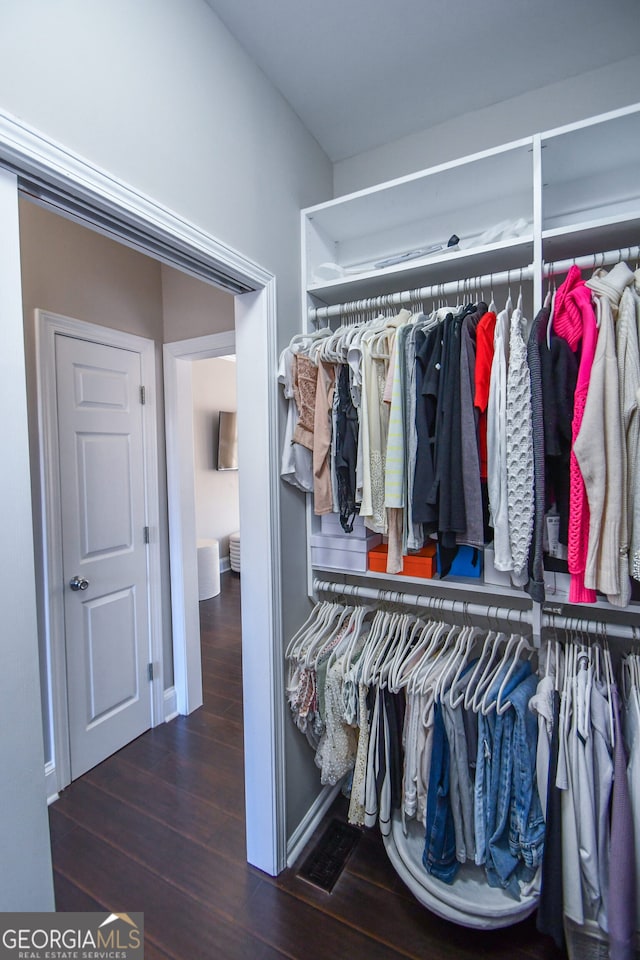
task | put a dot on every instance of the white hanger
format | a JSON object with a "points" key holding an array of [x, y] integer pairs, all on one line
{"points": [[523, 644], [351, 645], [610, 681], [387, 640], [324, 634], [430, 642], [456, 699], [309, 336], [399, 640], [439, 659], [319, 609], [374, 640], [395, 673], [374, 633], [488, 645], [488, 704], [413, 657], [351, 631], [450, 663], [486, 679], [456, 664]]}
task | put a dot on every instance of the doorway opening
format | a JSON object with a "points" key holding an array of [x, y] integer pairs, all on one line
{"points": [[87, 195]]}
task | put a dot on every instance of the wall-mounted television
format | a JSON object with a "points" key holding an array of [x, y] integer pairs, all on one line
{"points": [[227, 440]]}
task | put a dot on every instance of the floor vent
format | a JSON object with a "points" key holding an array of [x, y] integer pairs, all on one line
{"points": [[327, 860]]}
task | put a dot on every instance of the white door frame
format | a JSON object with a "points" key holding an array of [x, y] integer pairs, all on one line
{"points": [[178, 412], [114, 207], [47, 327]]}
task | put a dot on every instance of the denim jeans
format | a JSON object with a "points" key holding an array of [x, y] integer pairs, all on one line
{"points": [[439, 855], [515, 846], [488, 764], [526, 836]]}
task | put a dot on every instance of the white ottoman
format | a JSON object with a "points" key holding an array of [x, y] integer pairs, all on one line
{"points": [[208, 569]]}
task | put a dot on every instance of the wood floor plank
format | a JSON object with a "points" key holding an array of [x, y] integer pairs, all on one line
{"points": [[370, 862], [190, 815], [183, 927], [203, 780], [399, 922], [215, 727], [178, 738], [71, 899], [160, 827], [196, 869], [307, 934]]}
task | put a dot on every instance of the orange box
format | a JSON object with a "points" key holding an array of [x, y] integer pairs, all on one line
{"points": [[377, 558], [420, 564]]}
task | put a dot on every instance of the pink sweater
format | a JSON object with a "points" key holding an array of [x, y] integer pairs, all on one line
{"points": [[574, 319]]}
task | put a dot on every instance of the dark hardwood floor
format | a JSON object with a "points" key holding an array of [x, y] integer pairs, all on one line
{"points": [[159, 828]]}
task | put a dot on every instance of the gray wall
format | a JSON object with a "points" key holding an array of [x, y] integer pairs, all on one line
{"points": [[217, 493], [159, 94], [553, 105], [191, 308]]}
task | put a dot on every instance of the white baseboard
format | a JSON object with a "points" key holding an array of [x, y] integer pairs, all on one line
{"points": [[302, 834], [225, 564], [170, 704], [51, 781]]}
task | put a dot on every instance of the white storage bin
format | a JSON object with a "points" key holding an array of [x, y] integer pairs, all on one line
{"points": [[342, 553], [208, 569], [331, 526], [491, 575]]}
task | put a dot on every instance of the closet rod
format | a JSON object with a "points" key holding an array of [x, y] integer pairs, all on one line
{"points": [[552, 268], [506, 615], [599, 629], [423, 293]]}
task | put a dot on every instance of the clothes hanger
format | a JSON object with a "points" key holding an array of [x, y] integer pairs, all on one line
{"points": [[326, 630], [385, 626], [387, 643], [560, 664], [455, 698], [523, 644], [547, 663], [310, 335], [610, 681], [412, 658], [400, 639], [395, 672], [439, 659], [452, 663], [488, 646], [337, 649], [488, 703], [379, 623], [358, 633], [484, 683], [319, 609], [434, 635]]}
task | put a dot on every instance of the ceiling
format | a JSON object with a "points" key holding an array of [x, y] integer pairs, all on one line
{"points": [[360, 74]]}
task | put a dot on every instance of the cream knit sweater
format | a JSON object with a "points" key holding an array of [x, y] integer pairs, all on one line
{"points": [[599, 447]]}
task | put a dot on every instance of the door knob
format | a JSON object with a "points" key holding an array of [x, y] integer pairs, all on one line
{"points": [[78, 583]]}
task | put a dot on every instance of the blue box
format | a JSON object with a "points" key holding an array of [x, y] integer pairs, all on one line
{"points": [[467, 563]]}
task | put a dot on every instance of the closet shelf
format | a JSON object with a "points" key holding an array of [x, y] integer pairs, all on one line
{"points": [[469, 901], [590, 237], [442, 268]]}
